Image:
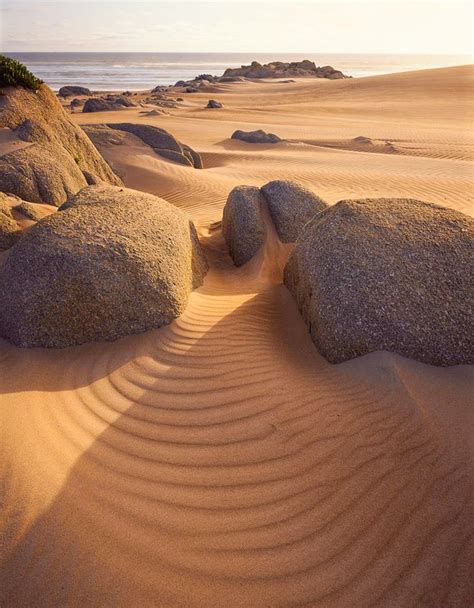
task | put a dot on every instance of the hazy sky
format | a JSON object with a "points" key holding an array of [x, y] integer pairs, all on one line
{"points": [[337, 26]]}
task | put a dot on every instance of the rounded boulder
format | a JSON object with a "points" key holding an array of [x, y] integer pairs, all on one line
{"points": [[387, 274], [110, 263]]}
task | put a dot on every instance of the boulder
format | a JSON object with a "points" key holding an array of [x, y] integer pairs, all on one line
{"points": [[73, 91], [110, 263], [242, 223], [98, 105], [121, 101], [291, 206], [41, 173], [191, 90], [212, 103], [256, 137], [51, 168], [162, 142], [9, 229], [387, 274]]}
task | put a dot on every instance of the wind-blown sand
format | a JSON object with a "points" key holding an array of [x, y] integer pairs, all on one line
{"points": [[221, 461]]}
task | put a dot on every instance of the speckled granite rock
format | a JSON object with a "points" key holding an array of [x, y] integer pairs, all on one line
{"points": [[110, 263], [387, 274], [242, 223], [291, 206]]}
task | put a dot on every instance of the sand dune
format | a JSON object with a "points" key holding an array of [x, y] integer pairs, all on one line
{"points": [[221, 460]]}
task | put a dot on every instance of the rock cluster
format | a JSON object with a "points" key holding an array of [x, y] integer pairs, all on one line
{"points": [[110, 263], [162, 142], [275, 69], [256, 137], [279, 69], [387, 274], [51, 168]]}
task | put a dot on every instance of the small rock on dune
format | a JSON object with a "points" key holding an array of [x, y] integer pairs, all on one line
{"points": [[212, 103], [387, 274], [256, 137], [291, 206], [9, 230], [110, 263], [73, 91], [242, 223], [361, 139], [51, 169]]}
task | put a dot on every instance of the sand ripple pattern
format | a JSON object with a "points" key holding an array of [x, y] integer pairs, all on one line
{"points": [[221, 460]]}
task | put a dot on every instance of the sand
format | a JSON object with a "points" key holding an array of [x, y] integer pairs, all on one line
{"points": [[221, 461]]}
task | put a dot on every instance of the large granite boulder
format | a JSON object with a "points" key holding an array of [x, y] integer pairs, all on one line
{"points": [[243, 226], [73, 91], [110, 263], [256, 137], [162, 142], [9, 229], [291, 206], [387, 274], [51, 168]]}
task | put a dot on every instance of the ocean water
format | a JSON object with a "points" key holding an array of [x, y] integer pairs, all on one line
{"points": [[139, 71]]}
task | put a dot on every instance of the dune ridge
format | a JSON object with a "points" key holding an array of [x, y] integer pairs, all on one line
{"points": [[221, 460]]}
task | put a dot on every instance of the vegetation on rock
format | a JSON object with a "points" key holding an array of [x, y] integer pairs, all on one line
{"points": [[15, 74]]}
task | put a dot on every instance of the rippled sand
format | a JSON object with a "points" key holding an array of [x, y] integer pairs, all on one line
{"points": [[221, 461]]}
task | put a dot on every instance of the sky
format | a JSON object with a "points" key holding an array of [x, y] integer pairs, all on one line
{"points": [[265, 26]]}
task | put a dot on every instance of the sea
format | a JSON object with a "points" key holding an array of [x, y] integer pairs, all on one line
{"points": [[141, 71]]}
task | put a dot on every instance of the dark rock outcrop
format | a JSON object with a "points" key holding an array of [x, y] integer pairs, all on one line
{"points": [[110, 263], [291, 206], [279, 69], [212, 103], [108, 104], [51, 168], [73, 91], [387, 274], [242, 223], [256, 137]]}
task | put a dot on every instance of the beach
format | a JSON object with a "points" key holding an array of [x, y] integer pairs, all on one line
{"points": [[221, 460]]}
